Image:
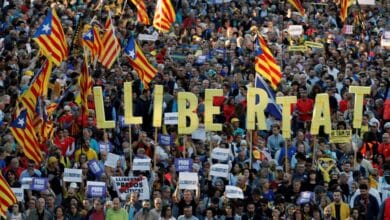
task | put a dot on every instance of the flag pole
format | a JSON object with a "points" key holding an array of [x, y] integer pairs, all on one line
{"points": [[250, 148]]}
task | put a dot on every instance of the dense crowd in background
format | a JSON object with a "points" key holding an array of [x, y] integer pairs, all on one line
{"points": [[210, 46]]}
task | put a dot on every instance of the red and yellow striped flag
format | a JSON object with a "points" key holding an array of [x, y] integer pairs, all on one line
{"points": [[51, 39], [164, 15], [138, 61], [85, 87], [24, 133], [37, 89], [92, 42], [142, 14], [297, 5], [111, 45], [344, 5], [7, 196], [265, 63]]}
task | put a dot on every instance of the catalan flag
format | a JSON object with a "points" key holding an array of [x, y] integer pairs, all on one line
{"points": [[7, 196], [25, 135], [272, 108], [38, 87], [265, 63], [112, 48], [344, 4], [142, 14], [138, 61], [51, 38], [164, 15], [85, 87], [92, 42], [297, 5]]}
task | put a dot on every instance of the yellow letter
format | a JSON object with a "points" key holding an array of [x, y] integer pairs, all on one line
{"points": [[256, 111], [184, 112], [210, 110], [321, 107], [99, 106], [286, 102], [128, 105], [157, 105], [359, 91]]}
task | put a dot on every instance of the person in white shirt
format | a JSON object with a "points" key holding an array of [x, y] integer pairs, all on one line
{"points": [[384, 185]]}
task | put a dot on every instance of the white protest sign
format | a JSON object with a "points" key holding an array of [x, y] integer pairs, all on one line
{"points": [[220, 154], [170, 118], [112, 160], [141, 164], [148, 37], [200, 133], [126, 184], [295, 30], [72, 175], [96, 189], [219, 170], [104, 147], [385, 41], [188, 180], [26, 182], [234, 192], [365, 2], [19, 193]]}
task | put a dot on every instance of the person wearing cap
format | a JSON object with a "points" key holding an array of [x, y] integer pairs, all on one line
{"points": [[236, 127], [54, 170]]}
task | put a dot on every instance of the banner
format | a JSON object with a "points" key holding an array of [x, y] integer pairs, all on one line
{"points": [[219, 170], [148, 37], [183, 164], [26, 182], [295, 30], [233, 192], [141, 164], [220, 154], [94, 167], [19, 193], [313, 44], [72, 175], [188, 180], [170, 118], [297, 48], [125, 185], [340, 136], [112, 160], [96, 189], [165, 140], [365, 2], [39, 184]]}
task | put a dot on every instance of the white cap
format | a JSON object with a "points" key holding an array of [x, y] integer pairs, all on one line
{"points": [[73, 186]]}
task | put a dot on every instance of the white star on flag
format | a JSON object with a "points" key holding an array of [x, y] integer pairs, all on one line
{"points": [[46, 28], [21, 122], [132, 54], [89, 35]]}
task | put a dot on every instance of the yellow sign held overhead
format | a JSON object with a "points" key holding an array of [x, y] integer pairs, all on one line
{"points": [[340, 136], [297, 48], [313, 44]]}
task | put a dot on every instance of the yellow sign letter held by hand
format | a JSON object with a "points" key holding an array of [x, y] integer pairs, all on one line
{"points": [[99, 106], [128, 105], [256, 111], [211, 110], [321, 115], [286, 102], [157, 105], [359, 92], [184, 112]]}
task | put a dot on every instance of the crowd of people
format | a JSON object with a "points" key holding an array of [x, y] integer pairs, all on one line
{"points": [[210, 46]]}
